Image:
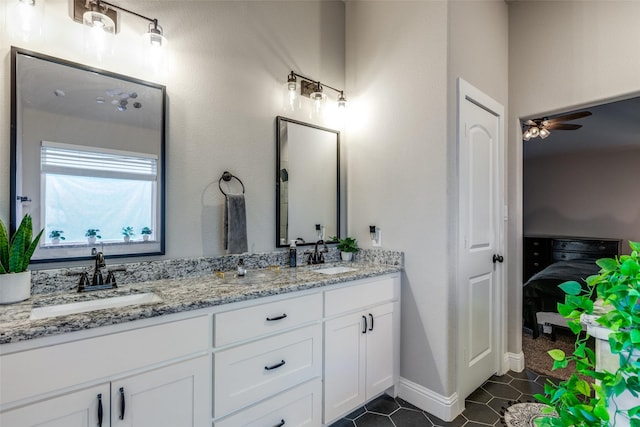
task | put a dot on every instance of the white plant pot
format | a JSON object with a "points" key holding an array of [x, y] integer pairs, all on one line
{"points": [[15, 287], [55, 240], [126, 239], [346, 256], [145, 237], [91, 240]]}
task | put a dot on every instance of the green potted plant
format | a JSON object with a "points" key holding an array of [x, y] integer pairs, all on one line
{"points": [[56, 236], [127, 233], [611, 398], [92, 234], [146, 233], [347, 247], [15, 254]]}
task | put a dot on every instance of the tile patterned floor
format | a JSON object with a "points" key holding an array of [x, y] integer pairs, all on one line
{"points": [[482, 407]]}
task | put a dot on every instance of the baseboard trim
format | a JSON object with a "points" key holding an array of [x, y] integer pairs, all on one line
{"points": [[446, 408], [514, 361]]}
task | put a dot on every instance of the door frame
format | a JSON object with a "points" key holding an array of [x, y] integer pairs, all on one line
{"points": [[465, 91]]}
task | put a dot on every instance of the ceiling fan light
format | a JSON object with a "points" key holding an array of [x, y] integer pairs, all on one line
{"points": [[526, 135], [544, 132], [534, 131]]}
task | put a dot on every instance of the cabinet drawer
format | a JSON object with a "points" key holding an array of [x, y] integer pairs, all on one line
{"points": [[252, 322], [299, 407], [603, 247], [77, 362], [360, 296], [251, 372]]}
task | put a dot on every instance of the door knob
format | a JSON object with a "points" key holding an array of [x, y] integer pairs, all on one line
{"points": [[497, 258]]}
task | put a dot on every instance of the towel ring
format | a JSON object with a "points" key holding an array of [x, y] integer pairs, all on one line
{"points": [[226, 177]]}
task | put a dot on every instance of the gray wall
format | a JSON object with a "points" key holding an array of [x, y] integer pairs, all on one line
{"points": [[225, 79], [591, 194], [401, 164]]}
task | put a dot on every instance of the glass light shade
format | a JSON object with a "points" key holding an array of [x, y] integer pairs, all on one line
{"points": [[534, 131], [544, 132], [154, 36], [527, 134], [99, 20], [342, 101]]}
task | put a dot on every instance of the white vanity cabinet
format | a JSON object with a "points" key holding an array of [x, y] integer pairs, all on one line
{"points": [[151, 376], [264, 353], [361, 339]]}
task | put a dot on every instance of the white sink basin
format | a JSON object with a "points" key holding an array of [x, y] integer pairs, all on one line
{"points": [[335, 270], [97, 304]]}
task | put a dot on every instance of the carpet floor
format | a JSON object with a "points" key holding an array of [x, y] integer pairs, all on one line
{"points": [[535, 352]]}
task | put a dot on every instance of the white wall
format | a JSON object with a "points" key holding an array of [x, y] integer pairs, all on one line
{"points": [[588, 51], [401, 169], [225, 82], [590, 194]]}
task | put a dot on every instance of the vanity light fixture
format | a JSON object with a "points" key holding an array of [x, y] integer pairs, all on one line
{"points": [[311, 89], [104, 15]]}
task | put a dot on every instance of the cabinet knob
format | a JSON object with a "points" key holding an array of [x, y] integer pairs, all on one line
{"points": [[280, 424], [371, 317], [100, 412], [122, 403], [364, 324]]}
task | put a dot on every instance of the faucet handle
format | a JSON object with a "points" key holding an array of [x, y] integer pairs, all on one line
{"points": [[84, 281]]}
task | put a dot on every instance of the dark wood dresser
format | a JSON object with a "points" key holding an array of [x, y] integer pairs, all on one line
{"points": [[540, 251]]}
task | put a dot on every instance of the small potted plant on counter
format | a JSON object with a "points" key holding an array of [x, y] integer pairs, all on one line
{"points": [[146, 233], [611, 398], [15, 254], [347, 247], [56, 236], [127, 233], [92, 235]]}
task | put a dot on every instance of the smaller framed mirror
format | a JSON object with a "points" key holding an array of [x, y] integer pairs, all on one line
{"points": [[307, 182]]}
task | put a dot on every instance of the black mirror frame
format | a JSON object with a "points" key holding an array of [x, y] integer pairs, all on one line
{"points": [[279, 120], [13, 220]]}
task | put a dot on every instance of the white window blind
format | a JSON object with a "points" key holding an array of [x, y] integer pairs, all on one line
{"points": [[68, 159]]}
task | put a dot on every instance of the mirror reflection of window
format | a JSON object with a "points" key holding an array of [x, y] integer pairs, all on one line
{"points": [[91, 187]]}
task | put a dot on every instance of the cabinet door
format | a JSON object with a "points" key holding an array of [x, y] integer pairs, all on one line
{"points": [[77, 409], [380, 354], [176, 395], [344, 364]]}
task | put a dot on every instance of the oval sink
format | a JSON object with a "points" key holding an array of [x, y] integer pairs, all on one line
{"points": [[92, 305], [335, 270]]}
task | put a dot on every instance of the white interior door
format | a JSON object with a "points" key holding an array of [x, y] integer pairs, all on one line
{"points": [[480, 229]]}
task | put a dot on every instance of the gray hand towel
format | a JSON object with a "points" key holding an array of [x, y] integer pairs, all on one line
{"points": [[235, 224]]}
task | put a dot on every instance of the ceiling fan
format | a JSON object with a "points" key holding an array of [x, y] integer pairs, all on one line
{"points": [[533, 128]]}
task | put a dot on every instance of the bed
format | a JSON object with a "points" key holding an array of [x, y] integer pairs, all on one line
{"points": [[551, 261]]}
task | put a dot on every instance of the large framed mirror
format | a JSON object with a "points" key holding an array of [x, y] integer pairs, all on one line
{"points": [[87, 158], [307, 182]]}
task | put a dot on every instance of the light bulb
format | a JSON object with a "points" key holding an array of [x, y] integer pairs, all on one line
{"points": [[544, 132]]}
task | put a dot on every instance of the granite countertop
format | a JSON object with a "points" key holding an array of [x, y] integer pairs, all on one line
{"points": [[178, 295]]}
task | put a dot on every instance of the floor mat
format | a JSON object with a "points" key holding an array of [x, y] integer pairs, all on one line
{"points": [[524, 414]]}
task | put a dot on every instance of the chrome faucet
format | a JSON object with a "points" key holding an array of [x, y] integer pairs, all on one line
{"points": [[317, 256]]}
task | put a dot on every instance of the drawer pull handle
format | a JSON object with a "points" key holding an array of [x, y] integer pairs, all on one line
{"points": [[371, 317], [280, 424], [276, 366], [364, 325], [282, 316], [100, 410], [122, 403]]}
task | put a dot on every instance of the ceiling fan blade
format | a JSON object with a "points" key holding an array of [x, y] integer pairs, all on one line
{"points": [[567, 117], [562, 126]]}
